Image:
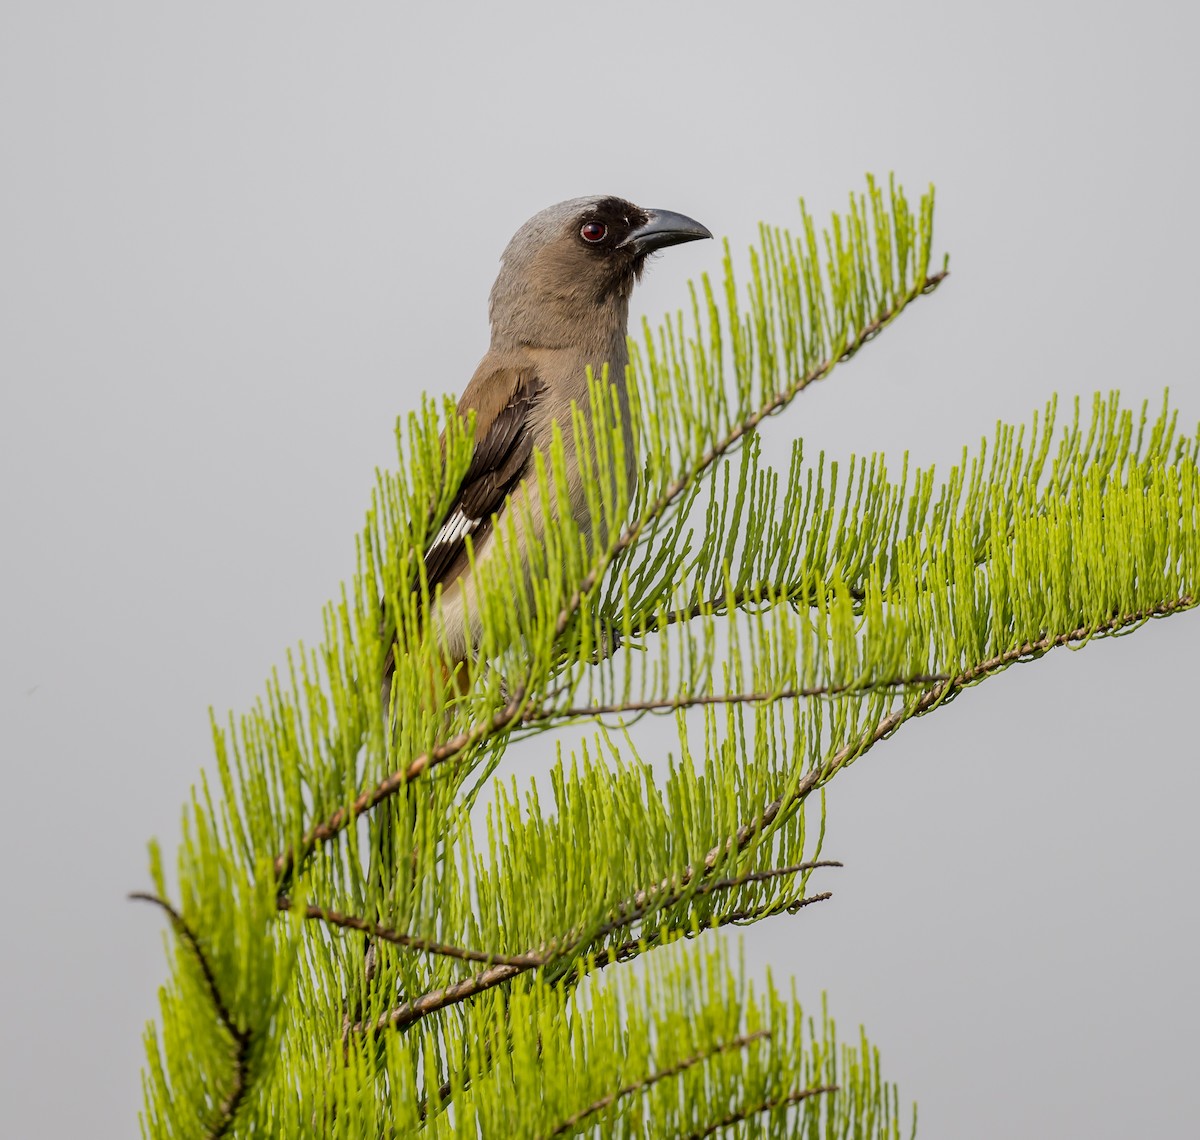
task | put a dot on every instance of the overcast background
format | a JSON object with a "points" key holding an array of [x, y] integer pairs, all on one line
{"points": [[240, 238]]}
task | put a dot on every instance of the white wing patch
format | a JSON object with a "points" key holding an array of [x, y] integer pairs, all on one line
{"points": [[456, 527], [447, 543]]}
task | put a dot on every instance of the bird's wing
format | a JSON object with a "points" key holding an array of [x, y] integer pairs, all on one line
{"points": [[502, 400]]}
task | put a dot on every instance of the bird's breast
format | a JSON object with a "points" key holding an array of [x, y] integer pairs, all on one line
{"points": [[565, 374]]}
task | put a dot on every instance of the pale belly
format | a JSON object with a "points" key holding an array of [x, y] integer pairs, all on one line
{"points": [[457, 612]]}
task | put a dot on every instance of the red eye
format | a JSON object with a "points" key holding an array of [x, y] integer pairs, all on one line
{"points": [[593, 231]]}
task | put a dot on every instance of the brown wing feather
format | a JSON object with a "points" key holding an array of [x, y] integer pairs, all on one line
{"points": [[502, 401]]}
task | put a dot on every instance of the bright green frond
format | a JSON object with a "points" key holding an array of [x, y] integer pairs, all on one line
{"points": [[375, 937]]}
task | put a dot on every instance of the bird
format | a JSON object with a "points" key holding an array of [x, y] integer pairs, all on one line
{"points": [[559, 305]]}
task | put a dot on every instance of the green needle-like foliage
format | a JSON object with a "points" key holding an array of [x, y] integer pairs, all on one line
{"points": [[359, 949]]}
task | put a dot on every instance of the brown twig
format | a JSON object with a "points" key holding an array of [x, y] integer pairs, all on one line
{"points": [[624, 915], [945, 690], [342, 818], [410, 941], [241, 1037], [447, 1087], [427, 1003], [501, 968], [665, 704], [768, 1105], [758, 594], [630, 911], [653, 1079], [632, 948]]}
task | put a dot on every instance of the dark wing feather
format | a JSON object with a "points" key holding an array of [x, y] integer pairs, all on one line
{"points": [[502, 401]]}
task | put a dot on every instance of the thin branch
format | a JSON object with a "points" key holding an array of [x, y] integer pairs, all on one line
{"points": [[768, 1105], [665, 704], [446, 1088], [945, 690], [757, 594], [410, 941], [653, 1079], [772, 873], [336, 823], [626, 914], [350, 1014], [635, 946], [623, 915], [241, 1037], [419, 1007], [511, 713]]}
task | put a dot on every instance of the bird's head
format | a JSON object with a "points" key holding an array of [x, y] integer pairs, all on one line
{"points": [[572, 267]]}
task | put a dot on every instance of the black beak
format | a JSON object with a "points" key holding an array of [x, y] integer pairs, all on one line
{"points": [[663, 228]]}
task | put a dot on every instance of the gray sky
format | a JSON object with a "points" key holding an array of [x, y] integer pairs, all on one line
{"points": [[238, 240]]}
